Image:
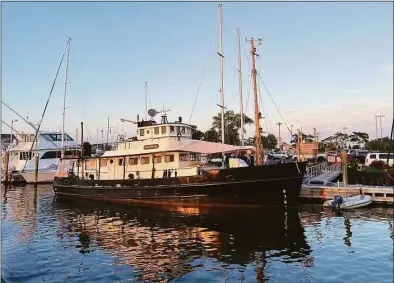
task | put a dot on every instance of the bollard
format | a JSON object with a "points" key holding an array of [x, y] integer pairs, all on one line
{"points": [[36, 161]]}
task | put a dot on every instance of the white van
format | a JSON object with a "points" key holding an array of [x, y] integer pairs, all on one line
{"points": [[379, 156]]}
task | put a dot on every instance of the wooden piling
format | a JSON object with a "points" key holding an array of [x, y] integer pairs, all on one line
{"points": [[5, 166], [344, 167], [36, 161]]}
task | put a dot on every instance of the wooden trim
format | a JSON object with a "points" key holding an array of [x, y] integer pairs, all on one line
{"points": [[99, 168], [124, 167]]}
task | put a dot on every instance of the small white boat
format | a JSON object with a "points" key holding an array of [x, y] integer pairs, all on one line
{"points": [[349, 202]]}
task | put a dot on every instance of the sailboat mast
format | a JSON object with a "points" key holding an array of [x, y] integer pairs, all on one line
{"points": [[240, 87], [259, 146], [146, 101], [221, 70], [65, 96]]}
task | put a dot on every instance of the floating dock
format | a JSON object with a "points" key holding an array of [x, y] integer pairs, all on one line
{"points": [[382, 195]]}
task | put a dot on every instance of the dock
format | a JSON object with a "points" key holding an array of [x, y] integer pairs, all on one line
{"points": [[322, 174], [379, 194]]}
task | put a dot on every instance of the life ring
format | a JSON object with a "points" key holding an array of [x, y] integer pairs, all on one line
{"points": [[324, 194]]}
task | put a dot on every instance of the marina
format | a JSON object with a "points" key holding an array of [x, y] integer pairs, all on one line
{"points": [[205, 175]]}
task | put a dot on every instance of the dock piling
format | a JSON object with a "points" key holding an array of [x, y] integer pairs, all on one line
{"points": [[36, 161], [6, 161]]}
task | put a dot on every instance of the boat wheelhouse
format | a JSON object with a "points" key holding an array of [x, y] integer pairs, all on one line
{"points": [[162, 149]]}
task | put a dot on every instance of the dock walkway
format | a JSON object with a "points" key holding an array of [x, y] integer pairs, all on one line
{"points": [[322, 174]]}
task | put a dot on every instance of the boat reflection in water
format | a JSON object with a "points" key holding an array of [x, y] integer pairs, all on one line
{"points": [[165, 244]]}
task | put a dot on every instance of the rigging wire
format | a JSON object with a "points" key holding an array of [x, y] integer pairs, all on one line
{"points": [[265, 112], [29, 123], [10, 127], [203, 71], [45, 108], [274, 102], [258, 73]]}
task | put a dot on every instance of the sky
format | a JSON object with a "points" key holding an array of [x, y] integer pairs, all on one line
{"points": [[326, 65]]}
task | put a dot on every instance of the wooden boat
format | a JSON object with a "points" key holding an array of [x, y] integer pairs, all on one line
{"points": [[349, 202], [163, 166]]}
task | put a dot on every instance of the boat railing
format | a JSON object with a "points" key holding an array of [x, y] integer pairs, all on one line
{"points": [[315, 170]]}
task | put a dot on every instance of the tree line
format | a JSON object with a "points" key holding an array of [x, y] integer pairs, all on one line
{"points": [[232, 126]]}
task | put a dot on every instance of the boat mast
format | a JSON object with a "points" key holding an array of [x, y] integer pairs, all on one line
{"points": [[259, 146], [221, 69], [146, 101], [240, 87], [65, 95]]}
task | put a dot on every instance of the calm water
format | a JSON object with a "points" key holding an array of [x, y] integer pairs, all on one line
{"points": [[47, 239]]}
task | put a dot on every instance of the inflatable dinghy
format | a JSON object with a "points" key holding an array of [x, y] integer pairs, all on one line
{"points": [[349, 202]]}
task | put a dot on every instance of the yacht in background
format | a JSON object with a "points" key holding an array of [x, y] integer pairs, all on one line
{"points": [[48, 146]]}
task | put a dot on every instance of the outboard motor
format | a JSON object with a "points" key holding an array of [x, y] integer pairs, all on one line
{"points": [[335, 205], [86, 149]]}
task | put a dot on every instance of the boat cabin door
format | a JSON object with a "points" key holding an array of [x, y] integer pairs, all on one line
{"points": [[111, 169]]}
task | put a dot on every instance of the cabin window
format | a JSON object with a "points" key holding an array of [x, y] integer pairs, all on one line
{"points": [[25, 155], [172, 129], [147, 132], [198, 157], [163, 130], [178, 129], [103, 162], [169, 158], [133, 161], [372, 156], [111, 161], [157, 131], [183, 157], [120, 161], [145, 160], [157, 159], [193, 157], [90, 164], [142, 132], [51, 154]]}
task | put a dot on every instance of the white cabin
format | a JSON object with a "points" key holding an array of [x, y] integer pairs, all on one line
{"points": [[158, 150], [47, 145]]}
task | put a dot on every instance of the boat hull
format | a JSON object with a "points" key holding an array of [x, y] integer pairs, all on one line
{"points": [[269, 185]]}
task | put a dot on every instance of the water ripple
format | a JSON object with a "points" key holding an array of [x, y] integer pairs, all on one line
{"points": [[46, 239]]}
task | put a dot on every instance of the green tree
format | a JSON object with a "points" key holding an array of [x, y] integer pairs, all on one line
{"points": [[232, 124], [211, 135], [362, 136], [379, 145], [196, 133], [269, 142]]}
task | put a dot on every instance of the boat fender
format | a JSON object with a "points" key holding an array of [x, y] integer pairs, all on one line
{"points": [[324, 194]]}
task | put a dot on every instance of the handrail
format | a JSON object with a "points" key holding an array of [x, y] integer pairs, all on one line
{"points": [[318, 169]]}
